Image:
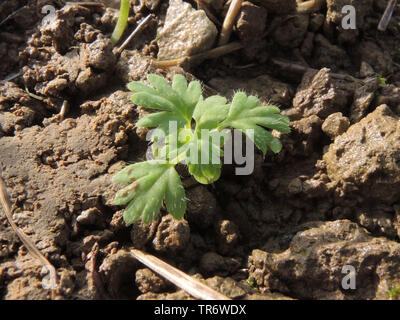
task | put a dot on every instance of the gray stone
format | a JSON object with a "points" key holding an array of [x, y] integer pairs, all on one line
{"points": [[186, 32]]}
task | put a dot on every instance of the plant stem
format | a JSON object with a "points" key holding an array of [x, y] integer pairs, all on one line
{"points": [[230, 19], [86, 3], [309, 6], [210, 54], [5, 203], [122, 22], [182, 280], [133, 34], [387, 16]]}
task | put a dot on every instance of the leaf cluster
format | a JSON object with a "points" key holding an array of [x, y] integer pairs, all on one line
{"points": [[193, 130]]}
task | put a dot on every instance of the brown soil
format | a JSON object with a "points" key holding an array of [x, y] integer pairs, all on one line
{"points": [[329, 199]]}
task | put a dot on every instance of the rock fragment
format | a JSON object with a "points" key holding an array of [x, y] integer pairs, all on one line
{"points": [[335, 125], [367, 156], [363, 98], [227, 235], [322, 250], [148, 281], [291, 33], [172, 235], [251, 25], [186, 32], [319, 94], [202, 207]]}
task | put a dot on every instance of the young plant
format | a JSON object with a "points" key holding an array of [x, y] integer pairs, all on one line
{"points": [[122, 22], [195, 130], [394, 292]]}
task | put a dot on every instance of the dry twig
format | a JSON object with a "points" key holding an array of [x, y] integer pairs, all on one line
{"points": [[11, 77], [309, 6], [86, 4], [134, 33], [32, 95], [182, 280], [12, 14], [64, 109], [210, 54], [229, 20], [387, 15], [5, 202]]}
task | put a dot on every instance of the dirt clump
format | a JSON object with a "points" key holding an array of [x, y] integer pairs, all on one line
{"points": [[335, 125], [251, 25], [58, 151], [367, 156], [142, 234], [118, 274], [213, 263], [266, 88], [291, 34], [323, 250], [306, 132], [132, 66], [329, 55], [18, 109], [363, 99], [172, 235], [379, 220], [147, 281], [81, 70], [319, 94], [228, 236], [202, 208]]}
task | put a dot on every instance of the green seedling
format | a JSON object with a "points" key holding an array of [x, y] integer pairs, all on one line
{"points": [[251, 282], [122, 22], [197, 121], [394, 292], [382, 80]]}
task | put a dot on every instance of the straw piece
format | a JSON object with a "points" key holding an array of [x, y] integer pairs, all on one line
{"points": [[182, 280], [387, 15], [229, 20], [5, 202]]}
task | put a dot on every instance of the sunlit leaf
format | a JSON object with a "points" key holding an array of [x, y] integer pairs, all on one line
{"points": [[150, 183], [247, 115]]}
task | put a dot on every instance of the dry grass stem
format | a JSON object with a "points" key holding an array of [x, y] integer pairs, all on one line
{"points": [[5, 202], [134, 33], [86, 4], [182, 280], [387, 15], [229, 20], [210, 54], [309, 6]]}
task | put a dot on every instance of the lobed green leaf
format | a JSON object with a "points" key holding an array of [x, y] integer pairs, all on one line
{"points": [[246, 114], [153, 182]]}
